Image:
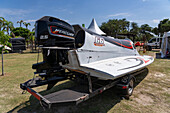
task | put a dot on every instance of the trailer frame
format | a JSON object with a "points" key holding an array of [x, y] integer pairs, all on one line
{"points": [[76, 96]]}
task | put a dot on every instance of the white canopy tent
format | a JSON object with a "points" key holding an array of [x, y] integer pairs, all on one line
{"points": [[95, 28], [165, 47]]}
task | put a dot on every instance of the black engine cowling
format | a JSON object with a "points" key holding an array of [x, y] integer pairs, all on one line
{"points": [[50, 31]]}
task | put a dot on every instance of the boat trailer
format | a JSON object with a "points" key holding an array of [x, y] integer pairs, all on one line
{"points": [[82, 91]]}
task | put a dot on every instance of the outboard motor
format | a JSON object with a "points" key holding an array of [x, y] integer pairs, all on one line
{"points": [[50, 31], [55, 37]]}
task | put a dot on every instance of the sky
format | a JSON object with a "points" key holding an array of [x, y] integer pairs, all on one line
{"points": [[83, 11]]}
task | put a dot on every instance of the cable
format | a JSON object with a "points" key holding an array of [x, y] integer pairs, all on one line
{"points": [[34, 73]]}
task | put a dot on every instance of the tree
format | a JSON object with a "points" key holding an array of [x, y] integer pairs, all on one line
{"points": [[155, 31], [33, 29], [23, 32], [135, 31], [27, 24], [8, 26], [19, 31], [3, 42], [145, 29], [2, 21], [164, 26], [134, 28], [115, 26], [32, 39], [124, 25], [20, 22]]}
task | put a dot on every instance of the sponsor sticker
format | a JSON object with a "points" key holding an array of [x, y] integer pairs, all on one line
{"points": [[60, 31], [99, 41]]}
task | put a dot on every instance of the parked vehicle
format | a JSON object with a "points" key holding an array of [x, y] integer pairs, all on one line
{"points": [[154, 43]]}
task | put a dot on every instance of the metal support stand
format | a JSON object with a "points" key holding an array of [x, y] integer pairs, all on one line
{"points": [[90, 83]]}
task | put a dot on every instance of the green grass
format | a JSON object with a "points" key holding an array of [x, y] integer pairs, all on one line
{"points": [[17, 68], [152, 93]]}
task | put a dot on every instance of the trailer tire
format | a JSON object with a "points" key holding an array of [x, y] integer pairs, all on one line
{"points": [[130, 87]]}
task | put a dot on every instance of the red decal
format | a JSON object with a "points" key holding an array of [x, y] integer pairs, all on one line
{"points": [[57, 32], [124, 87], [34, 94], [124, 45], [146, 61], [54, 32]]}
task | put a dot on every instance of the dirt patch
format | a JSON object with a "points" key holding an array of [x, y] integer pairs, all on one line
{"points": [[166, 89], [158, 74], [2, 95], [152, 54], [144, 99]]}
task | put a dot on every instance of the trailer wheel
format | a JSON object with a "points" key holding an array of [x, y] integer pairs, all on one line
{"points": [[130, 87]]}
